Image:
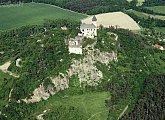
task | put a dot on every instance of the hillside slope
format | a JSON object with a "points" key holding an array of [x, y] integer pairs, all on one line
{"points": [[100, 84]]}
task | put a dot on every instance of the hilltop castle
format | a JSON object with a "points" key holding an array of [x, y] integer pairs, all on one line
{"points": [[87, 30]]}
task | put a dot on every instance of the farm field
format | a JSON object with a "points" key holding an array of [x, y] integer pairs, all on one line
{"points": [[118, 19], [14, 16], [92, 105], [145, 15], [158, 9]]}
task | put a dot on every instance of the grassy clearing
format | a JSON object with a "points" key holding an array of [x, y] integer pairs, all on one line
{"points": [[32, 13], [92, 105], [158, 9], [161, 29], [145, 15]]}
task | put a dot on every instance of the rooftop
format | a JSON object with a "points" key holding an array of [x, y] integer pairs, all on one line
{"points": [[75, 42], [90, 26], [94, 18]]}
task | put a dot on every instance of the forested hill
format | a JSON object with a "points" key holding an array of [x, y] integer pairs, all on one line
{"points": [[44, 54]]}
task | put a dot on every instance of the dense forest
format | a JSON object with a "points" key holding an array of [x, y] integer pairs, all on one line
{"points": [[151, 103], [137, 61], [154, 2], [13, 1]]}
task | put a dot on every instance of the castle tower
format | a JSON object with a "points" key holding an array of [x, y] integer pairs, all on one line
{"points": [[94, 20]]}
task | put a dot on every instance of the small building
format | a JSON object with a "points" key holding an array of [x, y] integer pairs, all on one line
{"points": [[64, 28], [75, 45], [158, 47], [89, 30]]}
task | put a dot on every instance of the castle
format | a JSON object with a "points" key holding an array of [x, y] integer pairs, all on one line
{"points": [[88, 31]]}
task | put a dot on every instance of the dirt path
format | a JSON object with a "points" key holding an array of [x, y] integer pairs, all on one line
{"points": [[4, 68], [125, 109], [97, 114], [10, 94]]}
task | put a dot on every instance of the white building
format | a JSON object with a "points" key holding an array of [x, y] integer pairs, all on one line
{"points": [[89, 30], [75, 45]]}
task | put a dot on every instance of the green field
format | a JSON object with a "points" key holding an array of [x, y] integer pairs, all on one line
{"points": [[161, 29], [158, 9], [32, 13], [145, 15], [92, 105]]}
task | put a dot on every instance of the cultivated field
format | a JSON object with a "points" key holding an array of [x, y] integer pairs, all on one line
{"points": [[118, 19], [14, 16], [145, 15], [158, 9]]}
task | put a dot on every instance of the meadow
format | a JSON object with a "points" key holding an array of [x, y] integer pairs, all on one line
{"points": [[158, 9], [161, 29], [14, 16], [92, 105]]}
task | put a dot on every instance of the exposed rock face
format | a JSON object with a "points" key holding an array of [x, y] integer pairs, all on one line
{"points": [[18, 62], [59, 83], [85, 69]]}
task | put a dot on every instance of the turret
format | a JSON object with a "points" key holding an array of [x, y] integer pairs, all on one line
{"points": [[94, 20]]}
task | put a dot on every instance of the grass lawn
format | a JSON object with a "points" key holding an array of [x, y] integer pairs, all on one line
{"points": [[33, 13], [161, 29], [158, 9], [92, 105], [145, 15]]}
